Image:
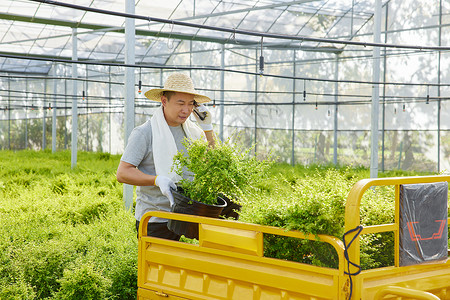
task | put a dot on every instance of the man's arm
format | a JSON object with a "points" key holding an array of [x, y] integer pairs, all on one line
{"points": [[129, 174], [211, 138], [205, 123]]}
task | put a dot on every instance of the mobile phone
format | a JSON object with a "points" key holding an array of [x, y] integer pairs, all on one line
{"points": [[198, 112]]}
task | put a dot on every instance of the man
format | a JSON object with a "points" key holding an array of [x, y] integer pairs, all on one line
{"points": [[148, 156]]}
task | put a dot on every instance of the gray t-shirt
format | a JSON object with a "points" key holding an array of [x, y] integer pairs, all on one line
{"points": [[138, 152]]}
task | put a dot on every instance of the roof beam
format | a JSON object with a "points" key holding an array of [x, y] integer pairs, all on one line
{"points": [[32, 19], [102, 28], [253, 8], [152, 33]]}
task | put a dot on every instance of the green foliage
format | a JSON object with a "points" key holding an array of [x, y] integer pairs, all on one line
{"points": [[104, 156], [124, 278], [20, 290], [43, 265], [312, 203], [226, 169], [312, 200], [66, 235], [82, 282], [60, 224], [304, 251]]}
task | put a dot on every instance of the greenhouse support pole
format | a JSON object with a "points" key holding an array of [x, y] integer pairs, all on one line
{"points": [[86, 99], [74, 101], [439, 93], [26, 114], [8, 110], [293, 109], [129, 90], [65, 111], [256, 103], [54, 111], [375, 91], [335, 129], [383, 122], [109, 107], [222, 91], [190, 58], [44, 116]]}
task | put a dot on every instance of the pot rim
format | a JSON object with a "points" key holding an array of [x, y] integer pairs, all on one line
{"points": [[179, 189]]}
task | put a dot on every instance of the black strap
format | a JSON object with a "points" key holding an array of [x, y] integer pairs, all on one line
{"points": [[358, 230]]}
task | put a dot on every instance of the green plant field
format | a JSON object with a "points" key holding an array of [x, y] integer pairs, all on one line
{"points": [[65, 233]]}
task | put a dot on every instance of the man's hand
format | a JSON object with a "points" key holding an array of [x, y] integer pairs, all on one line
{"points": [[205, 124], [165, 183]]}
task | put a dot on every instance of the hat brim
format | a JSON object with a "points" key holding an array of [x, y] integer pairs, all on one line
{"points": [[155, 95]]}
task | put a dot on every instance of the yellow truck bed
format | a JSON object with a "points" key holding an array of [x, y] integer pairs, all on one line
{"points": [[228, 262]]}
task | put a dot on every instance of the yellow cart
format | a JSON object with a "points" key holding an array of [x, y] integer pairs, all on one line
{"points": [[228, 262]]}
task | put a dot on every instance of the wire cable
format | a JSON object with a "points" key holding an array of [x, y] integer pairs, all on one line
{"points": [[238, 31], [188, 68], [358, 230]]}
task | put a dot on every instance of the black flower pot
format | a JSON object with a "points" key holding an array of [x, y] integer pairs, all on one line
{"points": [[231, 210], [185, 205]]}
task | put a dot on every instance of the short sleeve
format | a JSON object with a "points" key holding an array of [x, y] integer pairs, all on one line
{"points": [[138, 146]]}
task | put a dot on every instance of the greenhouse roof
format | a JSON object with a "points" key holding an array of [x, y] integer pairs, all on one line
{"points": [[43, 29]]}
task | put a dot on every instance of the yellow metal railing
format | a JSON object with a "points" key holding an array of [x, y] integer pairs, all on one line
{"points": [[352, 218], [236, 225], [352, 209], [223, 242], [245, 241], [405, 292]]}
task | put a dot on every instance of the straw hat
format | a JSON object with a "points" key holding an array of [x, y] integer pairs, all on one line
{"points": [[177, 82]]}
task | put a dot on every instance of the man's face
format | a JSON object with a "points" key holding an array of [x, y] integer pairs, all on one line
{"points": [[178, 108]]}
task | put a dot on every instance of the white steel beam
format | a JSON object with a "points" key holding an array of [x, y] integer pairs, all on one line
{"points": [[375, 91], [74, 147], [130, 37], [55, 90]]}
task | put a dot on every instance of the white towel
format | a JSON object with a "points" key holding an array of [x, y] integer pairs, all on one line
{"points": [[163, 143]]}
